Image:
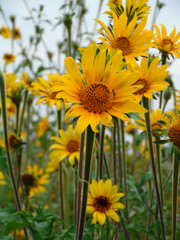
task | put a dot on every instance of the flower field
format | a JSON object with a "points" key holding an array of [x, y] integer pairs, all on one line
{"points": [[90, 132]]}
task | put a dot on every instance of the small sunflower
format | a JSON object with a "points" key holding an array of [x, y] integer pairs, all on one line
{"points": [[14, 141], [52, 165], [151, 78], [5, 32], [132, 8], [42, 127], [11, 83], [2, 179], [103, 201], [35, 179], [100, 92], [169, 44], [8, 58], [68, 145], [130, 127], [26, 82], [16, 33], [173, 127], [42, 88], [132, 39], [19, 234], [155, 118]]}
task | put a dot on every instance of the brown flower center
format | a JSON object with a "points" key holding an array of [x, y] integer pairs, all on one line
{"points": [[156, 126], [144, 83], [96, 98], [8, 56], [72, 146], [28, 180], [167, 43], [102, 204], [53, 95], [174, 135], [123, 44], [14, 141]]}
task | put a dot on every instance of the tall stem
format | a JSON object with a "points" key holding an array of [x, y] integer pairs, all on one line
{"points": [[5, 128], [101, 151], [81, 154], [148, 126], [119, 157], [87, 170], [22, 113], [164, 56], [176, 161]]}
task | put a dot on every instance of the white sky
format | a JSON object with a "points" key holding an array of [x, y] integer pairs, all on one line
{"points": [[169, 16]]}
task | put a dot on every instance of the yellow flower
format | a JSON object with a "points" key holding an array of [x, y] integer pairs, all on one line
{"points": [[19, 233], [8, 58], [151, 78], [101, 91], [35, 179], [178, 99], [43, 88], [42, 127], [2, 179], [103, 201], [155, 116], [173, 127], [16, 33], [14, 141], [132, 7], [10, 107], [5, 32], [2, 144], [52, 165], [26, 82], [132, 40], [11, 84], [129, 128], [68, 146], [169, 44]]}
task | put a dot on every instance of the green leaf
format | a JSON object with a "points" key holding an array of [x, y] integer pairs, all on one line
{"points": [[162, 141], [145, 178], [161, 122]]}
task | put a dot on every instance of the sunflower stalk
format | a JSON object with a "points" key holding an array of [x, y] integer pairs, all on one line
{"points": [[175, 176], [120, 157], [22, 113], [59, 113], [5, 128], [87, 170], [163, 59], [101, 152], [148, 126]]}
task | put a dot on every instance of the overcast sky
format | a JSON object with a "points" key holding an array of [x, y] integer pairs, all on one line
{"points": [[169, 16]]}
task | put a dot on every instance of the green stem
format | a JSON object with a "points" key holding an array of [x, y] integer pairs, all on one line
{"points": [[81, 155], [69, 41], [164, 56], [158, 155], [5, 128], [22, 113], [114, 153], [101, 151], [176, 161], [17, 118], [124, 163], [148, 126], [120, 157], [87, 170], [150, 214]]}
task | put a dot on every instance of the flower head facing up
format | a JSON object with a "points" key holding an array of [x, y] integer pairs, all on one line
{"points": [[5, 32], [132, 40], [11, 83], [169, 44], [8, 58], [100, 91], [151, 78], [103, 201], [35, 179], [68, 146], [26, 82], [43, 88]]}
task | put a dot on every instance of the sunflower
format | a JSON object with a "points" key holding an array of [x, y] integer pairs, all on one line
{"points": [[173, 127], [11, 84], [68, 145], [132, 40], [2, 179], [42, 127], [101, 91], [18, 234], [132, 7], [5, 32], [42, 88], [8, 58], [16, 33], [52, 165], [155, 118], [103, 201], [151, 78], [35, 179], [178, 99], [130, 127], [26, 82], [14, 141], [168, 44]]}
